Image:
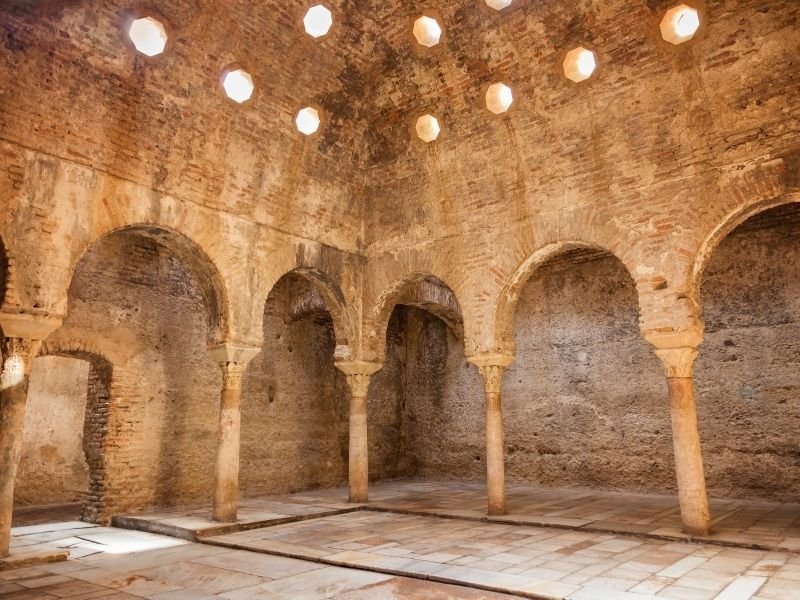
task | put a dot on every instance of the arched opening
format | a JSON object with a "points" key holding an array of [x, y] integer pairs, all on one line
{"points": [[584, 400], [66, 426], [295, 402], [150, 301], [747, 375], [426, 417]]}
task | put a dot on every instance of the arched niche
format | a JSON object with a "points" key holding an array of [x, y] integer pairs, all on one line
{"points": [[746, 375]]}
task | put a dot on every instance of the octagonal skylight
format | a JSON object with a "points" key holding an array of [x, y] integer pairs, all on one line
{"points": [[428, 128], [580, 64], [318, 21], [148, 36], [679, 24], [238, 85], [498, 4], [499, 98], [307, 120], [427, 31]]}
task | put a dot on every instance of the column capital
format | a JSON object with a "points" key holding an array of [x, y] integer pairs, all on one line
{"points": [[492, 366], [676, 349], [233, 353], [678, 362], [28, 326], [358, 374]]}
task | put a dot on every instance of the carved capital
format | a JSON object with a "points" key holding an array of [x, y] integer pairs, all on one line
{"points": [[492, 366], [359, 384], [492, 377], [358, 375], [678, 362], [232, 375]]}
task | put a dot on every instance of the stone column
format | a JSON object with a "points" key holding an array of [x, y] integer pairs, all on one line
{"points": [[677, 353], [19, 345], [358, 376], [232, 360], [492, 367]]}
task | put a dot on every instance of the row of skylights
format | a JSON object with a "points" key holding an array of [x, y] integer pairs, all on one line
{"points": [[149, 37]]}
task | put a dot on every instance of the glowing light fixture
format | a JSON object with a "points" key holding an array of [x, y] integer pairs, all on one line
{"points": [[318, 21], [580, 64], [148, 36], [428, 128], [679, 24], [238, 85], [307, 121], [499, 98], [427, 31]]}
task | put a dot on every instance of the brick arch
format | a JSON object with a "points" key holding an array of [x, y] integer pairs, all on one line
{"points": [[505, 314], [95, 425], [422, 290], [210, 279], [331, 298], [722, 230]]}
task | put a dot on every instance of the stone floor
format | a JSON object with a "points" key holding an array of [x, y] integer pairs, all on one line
{"points": [[742, 523], [114, 564], [528, 560]]}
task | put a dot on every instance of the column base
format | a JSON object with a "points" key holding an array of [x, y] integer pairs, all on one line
{"points": [[696, 530], [496, 511], [358, 499]]}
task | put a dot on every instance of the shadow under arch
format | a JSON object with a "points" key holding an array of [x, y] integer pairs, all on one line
{"points": [[193, 256], [505, 313], [95, 426], [721, 231], [424, 291], [322, 295]]}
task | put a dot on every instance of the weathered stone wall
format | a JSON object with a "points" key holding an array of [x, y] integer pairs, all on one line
{"points": [[53, 467], [747, 376]]}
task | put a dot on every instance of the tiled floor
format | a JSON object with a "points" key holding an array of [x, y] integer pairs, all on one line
{"points": [[526, 560], [114, 564], [758, 524]]}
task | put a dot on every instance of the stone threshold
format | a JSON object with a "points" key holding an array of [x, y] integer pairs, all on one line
{"points": [[30, 558], [196, 534]]}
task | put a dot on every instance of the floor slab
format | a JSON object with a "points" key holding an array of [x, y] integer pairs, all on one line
{"points": [[141, 565], [741, 523], [528, 561]]}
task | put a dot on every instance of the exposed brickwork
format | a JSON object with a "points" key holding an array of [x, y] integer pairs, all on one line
{"points": [[157, 217]]}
